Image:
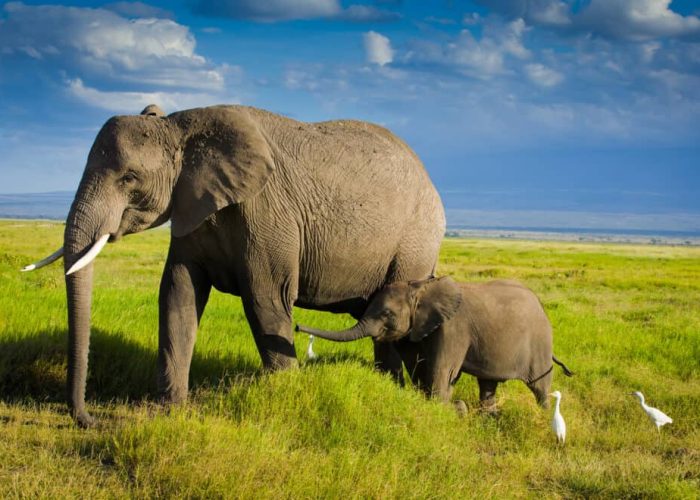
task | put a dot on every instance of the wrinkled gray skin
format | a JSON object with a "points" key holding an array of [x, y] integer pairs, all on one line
{"points": [[279, 212], [495, 331]]}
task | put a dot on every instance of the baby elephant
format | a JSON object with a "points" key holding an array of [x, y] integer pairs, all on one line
{"points": [[495, 331]]}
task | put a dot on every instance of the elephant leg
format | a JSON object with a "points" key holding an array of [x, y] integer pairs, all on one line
{"points": [[541, 389], [271, 322], [439, 374], [440, 386], [388, 360], [487, 393], [414, 360], [184, 291]]}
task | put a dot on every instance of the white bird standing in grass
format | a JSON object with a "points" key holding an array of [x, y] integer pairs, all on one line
{"points": [[657, 416], [558, 424], [310, 354]]}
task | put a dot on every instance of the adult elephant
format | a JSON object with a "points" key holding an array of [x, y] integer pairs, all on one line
{"points": [[277, 211]]}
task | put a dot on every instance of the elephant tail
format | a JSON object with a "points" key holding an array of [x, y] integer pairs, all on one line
{"points": [[567, 372]]}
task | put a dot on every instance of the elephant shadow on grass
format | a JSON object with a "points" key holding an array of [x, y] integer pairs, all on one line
{"points": [[33, 368]]}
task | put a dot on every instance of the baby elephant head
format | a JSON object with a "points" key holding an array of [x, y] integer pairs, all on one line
{"points": [[414, 308]]}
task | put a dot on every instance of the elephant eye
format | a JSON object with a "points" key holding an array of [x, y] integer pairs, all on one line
{"points": [[128, 178]]}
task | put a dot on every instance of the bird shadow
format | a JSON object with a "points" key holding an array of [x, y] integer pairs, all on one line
{"points": [[33, 368]]}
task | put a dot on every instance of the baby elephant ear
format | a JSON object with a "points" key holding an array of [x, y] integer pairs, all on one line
{"points": [[226, 160], [153, 110], [438, 300]]}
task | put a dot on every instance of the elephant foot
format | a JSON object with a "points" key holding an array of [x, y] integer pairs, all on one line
{"points": [[278, 361], [460, 407], [84, 420], [168, 400], [277, 352], [171, 392]]}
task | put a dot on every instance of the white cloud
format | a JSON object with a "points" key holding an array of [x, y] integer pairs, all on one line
{"points": [[637, 19], [297, 79], [316, 78], [472, 19], [271, 11], [510, 37], [542, 75], [365, 14], [550, 12], [138, 9], [134, 102], [545, 12], [153, 51], [378, 48], [481, 58]]}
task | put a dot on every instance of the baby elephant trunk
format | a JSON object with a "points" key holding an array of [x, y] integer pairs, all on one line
{"points": [[356, 332]]}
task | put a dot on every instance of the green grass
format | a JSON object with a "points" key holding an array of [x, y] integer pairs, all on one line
{"points": [[625, 318]]}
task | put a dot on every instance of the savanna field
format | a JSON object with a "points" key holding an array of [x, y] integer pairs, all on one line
{"points": [[625, 318]]}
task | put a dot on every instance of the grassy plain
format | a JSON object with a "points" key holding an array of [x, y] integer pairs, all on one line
{"points": [[625, 318]]}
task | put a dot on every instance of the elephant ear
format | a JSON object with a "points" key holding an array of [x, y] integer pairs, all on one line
{"points": [[436, 301], [226, 160]]}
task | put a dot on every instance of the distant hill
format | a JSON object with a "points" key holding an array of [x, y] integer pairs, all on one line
{"points": [[54, 205]]}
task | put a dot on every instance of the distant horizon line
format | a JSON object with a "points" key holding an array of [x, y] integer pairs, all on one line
{"points": [[54, 205]]}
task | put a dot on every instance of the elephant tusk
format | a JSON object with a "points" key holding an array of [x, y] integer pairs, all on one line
{"points": [[44, 262], [90, 255]]}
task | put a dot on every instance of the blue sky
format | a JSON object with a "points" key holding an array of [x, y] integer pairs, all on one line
{"points": [[522, 104]]}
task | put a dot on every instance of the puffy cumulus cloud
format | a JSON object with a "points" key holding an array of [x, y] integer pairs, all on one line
{"points": [[542, 75], [545, 12], [378, 48], [289, 10], [636, 19], [134, 102], [480, 83], [483, 58], [479, 114], [105, 44]]}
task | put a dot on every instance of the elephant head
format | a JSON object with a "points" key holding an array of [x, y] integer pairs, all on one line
{"points": [[414, 308], [141, 171]]}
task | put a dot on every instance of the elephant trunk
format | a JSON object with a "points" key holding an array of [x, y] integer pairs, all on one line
{"points": [[84, 225], [79, 292], [354, 333]]}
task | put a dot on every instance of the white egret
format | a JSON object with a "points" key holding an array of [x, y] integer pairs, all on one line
{"points": [[558, 424], [310, 354], [655, 415]]}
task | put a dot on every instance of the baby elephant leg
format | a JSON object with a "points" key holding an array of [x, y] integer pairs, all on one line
{"points": [[487, 393], [438, 383]]}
